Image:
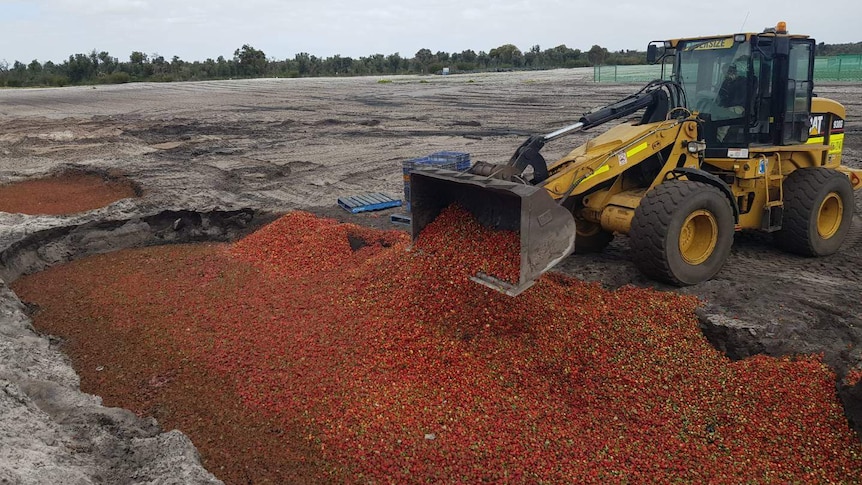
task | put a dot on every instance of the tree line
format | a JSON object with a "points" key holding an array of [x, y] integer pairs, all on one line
{"points": [[99, 67], [828, 50]]}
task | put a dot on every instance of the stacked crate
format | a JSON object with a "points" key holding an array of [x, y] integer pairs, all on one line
{"points": [[457, 161]]}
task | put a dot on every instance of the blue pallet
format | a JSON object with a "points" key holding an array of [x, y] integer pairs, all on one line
{"points": [[368, 202]]}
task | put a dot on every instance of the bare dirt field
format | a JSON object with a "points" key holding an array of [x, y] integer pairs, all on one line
{"points": [[213, 160]]}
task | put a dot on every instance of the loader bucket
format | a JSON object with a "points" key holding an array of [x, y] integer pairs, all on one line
{"points": [[547, 230]]}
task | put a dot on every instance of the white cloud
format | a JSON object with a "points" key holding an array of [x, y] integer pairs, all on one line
{"points": [[83, 7], [198, 29]]}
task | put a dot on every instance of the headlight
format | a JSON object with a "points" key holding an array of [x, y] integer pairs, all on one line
{"points": [[696, 146]]}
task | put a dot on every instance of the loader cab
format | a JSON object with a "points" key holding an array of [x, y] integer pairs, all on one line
{"points": [[767, 103]]}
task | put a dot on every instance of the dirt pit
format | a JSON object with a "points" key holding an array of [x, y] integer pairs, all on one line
{"points": [[219, 158], [292, 357], [65, 193]]}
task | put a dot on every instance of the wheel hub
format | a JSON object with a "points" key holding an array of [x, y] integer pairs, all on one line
{"points": [[830, 215], [698, 237], [587, 229]]}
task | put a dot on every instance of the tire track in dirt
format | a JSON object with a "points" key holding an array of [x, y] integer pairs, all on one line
{"points": [[789, 304]]}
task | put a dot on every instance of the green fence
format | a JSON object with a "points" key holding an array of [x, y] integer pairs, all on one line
{"points": [[626, 74], [838, 68], [835, 68]]}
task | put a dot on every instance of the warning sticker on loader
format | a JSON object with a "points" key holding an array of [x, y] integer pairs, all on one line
{"points": [[600, 170], [836, 144]]}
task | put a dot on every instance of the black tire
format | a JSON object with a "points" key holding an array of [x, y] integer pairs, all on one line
{"points": [[657, 235], [818, 210], [590, 237]]}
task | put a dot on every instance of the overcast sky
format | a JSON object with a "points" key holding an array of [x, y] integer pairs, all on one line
{"points": [[200, 29]]}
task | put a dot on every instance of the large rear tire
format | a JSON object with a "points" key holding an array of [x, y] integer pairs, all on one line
{"points": [[682, 232], [818, 210]]}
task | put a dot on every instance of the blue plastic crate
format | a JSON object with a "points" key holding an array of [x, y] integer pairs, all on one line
{"points": [[418, 163], [367, 202], [458, 161], [450, 156], [446, 160]]}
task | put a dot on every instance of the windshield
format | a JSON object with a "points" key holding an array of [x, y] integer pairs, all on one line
{"points": [[713, 73]]}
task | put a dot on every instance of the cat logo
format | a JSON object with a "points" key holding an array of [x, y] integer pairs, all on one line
{"points": [[816, 125]]}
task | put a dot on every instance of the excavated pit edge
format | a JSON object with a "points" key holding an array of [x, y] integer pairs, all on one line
{"points": [[61, 433]]}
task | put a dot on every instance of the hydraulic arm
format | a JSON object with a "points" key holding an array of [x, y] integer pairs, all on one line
{"points": [[656, 98]]}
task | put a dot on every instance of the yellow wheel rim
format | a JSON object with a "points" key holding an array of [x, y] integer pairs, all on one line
{"points": [[829, 216], [698, 237]]}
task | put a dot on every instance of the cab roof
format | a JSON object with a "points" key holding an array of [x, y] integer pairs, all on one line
{"points": [[780, 30]]}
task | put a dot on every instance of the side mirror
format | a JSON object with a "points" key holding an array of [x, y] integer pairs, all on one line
{"points": [[651, 54]]}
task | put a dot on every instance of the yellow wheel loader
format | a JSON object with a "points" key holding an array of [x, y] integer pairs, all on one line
{"points": [[732, 137]]}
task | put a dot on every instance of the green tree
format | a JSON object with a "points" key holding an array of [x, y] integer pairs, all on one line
{"points": [[394, 63], [251, 62], [303, 63], [375, 64], [507, 55], [483, 59], [178, 69], [138, 57], [597, 55], [563, 56], [423, 59], [107, 63], [223, 67], [34, 67], [468, 56], [533, 57], [80, 68]]}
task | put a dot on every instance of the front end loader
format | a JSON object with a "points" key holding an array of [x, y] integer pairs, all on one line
{"points": [[688, 166]]}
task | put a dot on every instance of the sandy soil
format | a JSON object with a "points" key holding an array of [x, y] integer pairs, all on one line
{"points": [[215, 159]]}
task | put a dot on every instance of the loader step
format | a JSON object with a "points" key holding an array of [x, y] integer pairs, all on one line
{"points": [[368, 202]]}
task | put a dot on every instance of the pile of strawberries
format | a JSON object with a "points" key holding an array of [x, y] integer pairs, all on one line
{"points": [[317, 351], [458, 239], [63, 194]]}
